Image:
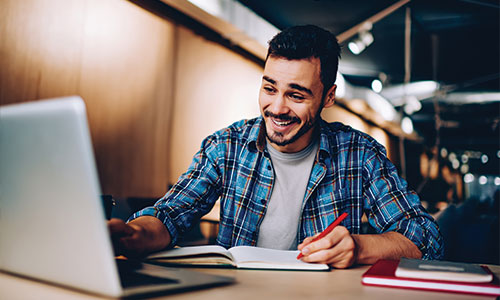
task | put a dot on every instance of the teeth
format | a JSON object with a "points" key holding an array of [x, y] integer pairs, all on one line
{"points": [[284, 123]]}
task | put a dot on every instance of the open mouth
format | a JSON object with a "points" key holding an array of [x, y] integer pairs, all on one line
{"points": [[282, 123]]}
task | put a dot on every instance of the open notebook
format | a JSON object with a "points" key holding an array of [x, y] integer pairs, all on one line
{"points": [[52, 222], [242, 257]]}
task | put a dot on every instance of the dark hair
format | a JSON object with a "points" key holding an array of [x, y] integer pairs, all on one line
{"points": [[300, 42]]}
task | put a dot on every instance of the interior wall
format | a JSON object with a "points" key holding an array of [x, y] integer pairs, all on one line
{"points": [[154, 89], [339, 114], [215, 87], [115, 55]]}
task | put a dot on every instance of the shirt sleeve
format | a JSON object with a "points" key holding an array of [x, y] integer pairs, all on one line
{"points": [[392, 206], [192, 196]]}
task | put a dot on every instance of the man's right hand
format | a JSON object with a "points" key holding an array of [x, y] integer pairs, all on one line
{"points": [[139, 237]]}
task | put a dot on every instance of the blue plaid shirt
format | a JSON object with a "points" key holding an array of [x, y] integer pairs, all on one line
{"points": [[351, 173]]}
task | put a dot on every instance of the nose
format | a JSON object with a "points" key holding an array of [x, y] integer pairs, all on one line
{"points": [[279, 105]]}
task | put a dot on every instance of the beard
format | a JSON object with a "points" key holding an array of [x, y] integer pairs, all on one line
{"points": [[279, 139]]}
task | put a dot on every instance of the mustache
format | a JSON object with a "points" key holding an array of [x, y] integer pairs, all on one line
{"points": [[283, 117]]}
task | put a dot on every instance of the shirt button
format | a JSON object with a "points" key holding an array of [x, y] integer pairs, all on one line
{"points": [[269, 167], [263, 201]]}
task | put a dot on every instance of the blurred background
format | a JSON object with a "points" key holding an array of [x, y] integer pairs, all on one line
{"points": [[158, 76]]}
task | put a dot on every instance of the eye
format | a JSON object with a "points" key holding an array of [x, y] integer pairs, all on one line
{"points": [[297, 96], [268, 89]]}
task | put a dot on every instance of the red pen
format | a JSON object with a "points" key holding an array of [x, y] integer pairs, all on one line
{"points": [[327, 230]]}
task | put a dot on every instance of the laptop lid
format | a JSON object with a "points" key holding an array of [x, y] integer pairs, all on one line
{"points": [[52, 220]]}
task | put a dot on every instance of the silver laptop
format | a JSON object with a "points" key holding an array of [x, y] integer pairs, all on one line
{"points": [[52, 222]]}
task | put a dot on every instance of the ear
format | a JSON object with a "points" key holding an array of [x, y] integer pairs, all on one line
{"points": [[330, 97]]}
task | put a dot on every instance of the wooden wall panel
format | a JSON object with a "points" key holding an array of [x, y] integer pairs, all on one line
{"points": [[336, 113], [339, 114], [40, 48], [154, 89], [126, 75], [214, 88], [114, 54]]}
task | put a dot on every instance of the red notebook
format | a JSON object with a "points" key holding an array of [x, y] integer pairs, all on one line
{"points": [[382, 273]]}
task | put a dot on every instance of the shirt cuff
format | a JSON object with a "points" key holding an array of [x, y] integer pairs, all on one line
{"points": [[418, 232], [154, 212]]}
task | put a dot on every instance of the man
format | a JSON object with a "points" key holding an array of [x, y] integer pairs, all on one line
{"points": [[285, 176]]}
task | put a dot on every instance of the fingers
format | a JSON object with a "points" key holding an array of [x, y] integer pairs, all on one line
{"points": [[340, 256], [336, 249], [307, 241], [325, 243], [122, 236]]}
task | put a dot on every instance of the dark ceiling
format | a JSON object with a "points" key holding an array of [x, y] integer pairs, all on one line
{"points": [[466, 33], [454, 42]]}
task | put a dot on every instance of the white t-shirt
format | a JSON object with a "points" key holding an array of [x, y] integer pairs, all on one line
{"points": [[291, 175]]}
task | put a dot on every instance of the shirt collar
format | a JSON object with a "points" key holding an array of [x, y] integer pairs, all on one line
{"points": [[257, 137], [324, 143]]}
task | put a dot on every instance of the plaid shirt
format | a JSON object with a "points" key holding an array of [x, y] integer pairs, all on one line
{"points": [[351, 173]]}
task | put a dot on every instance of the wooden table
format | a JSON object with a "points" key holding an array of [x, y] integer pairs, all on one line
{"points": [[252, 284]]}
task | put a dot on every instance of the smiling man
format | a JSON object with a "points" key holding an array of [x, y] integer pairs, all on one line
{"points": [[283, 177], [291, 100]]}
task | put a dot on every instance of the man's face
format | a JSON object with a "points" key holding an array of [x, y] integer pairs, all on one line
{"points": [[290, 101]]}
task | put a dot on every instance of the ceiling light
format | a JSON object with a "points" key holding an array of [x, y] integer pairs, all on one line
{"points": [[407, 125], [483, 180], [356, 47], [412, 105], [468, 178], [484, 158], [377, 86], [364, 39], [452, 156], [470, 97], [380, 105], [444, 152], [497, 181], [397, 94]]}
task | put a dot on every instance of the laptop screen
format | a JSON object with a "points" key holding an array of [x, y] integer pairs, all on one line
{"points": [[51, 215], [52, 221]]}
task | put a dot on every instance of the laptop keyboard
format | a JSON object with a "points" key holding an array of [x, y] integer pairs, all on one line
{"points": [[130, 277]]}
